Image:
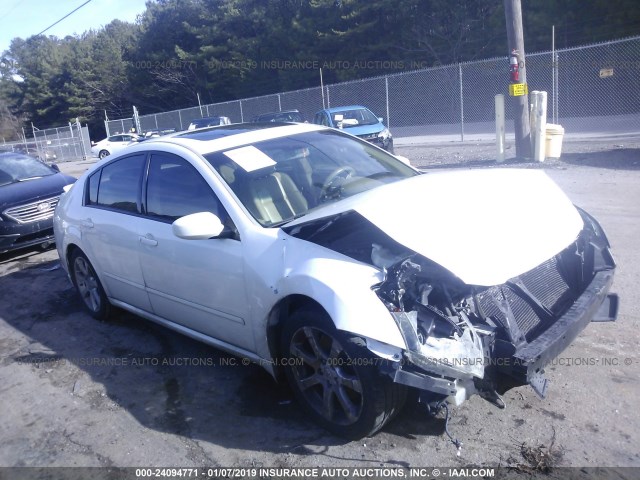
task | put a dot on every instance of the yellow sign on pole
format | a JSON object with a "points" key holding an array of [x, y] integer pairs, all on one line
{"points": [[518, 89]]}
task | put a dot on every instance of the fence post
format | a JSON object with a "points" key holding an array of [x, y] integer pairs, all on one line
{"points": [[180, 118], [279, 104], [82, 145], [461, 103], [322, 88], [556, 103], [72, 141], [386, 91], [241, 114]]}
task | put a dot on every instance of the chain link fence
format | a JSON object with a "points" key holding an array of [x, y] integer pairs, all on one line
{"points": [[54, 145], [594, 88]]}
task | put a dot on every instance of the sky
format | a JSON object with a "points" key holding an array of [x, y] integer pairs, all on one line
{"points": [[24, 18]]}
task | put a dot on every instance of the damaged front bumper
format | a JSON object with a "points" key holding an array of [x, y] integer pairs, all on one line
{"points": [[526, 364], [595, 304], [487, 340]]}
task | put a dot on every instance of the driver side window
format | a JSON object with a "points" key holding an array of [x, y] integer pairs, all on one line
{"points": [[175, 188]]}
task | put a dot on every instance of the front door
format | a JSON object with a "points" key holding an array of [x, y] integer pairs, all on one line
{"points": [[196, 283]]}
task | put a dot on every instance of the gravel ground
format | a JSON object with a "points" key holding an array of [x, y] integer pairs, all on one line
{"points": [[613, 152], [78, 392]]}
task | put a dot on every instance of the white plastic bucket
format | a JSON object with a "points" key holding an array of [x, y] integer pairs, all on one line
{"points": [[553, 140]]}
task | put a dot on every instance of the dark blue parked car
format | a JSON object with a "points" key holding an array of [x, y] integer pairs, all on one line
{"points": [[359, 121], [29, 193]]}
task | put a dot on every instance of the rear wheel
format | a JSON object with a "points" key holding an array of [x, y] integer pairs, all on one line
{"points": [[336, 378], [89, 287]]}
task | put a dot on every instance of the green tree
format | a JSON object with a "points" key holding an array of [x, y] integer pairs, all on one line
{"points": [[38, 65]]}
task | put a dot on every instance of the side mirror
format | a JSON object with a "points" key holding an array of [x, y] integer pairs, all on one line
{"points": [[381, 119], [404, 160], [197, 226], [55, 167]]}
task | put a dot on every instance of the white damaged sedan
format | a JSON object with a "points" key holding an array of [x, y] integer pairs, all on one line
{"points": [[335, 265]]}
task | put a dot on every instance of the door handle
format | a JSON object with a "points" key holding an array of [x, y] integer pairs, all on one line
{"points": [[87, 223], [148, 240]]}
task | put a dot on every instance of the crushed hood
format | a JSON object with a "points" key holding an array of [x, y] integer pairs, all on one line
{"points": [[485, 226]]}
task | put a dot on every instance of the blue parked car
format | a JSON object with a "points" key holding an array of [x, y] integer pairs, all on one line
{"points": [[359, 121]]}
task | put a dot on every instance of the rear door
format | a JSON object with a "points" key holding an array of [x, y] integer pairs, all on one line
{"points": [[109, 228]]}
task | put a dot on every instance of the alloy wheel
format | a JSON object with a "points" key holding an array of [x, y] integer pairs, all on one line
{"points": [[325, 374], [87, 283]]}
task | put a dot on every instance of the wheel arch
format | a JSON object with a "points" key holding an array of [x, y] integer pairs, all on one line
{"points": [[71, 248], [278, 317]]}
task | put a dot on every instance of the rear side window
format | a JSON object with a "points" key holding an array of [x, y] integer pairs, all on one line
{"points": [[94, 183], [175, 189], [118, 184]]}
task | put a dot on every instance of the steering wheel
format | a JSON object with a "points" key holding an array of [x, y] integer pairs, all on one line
{"points": [[343, 172]]}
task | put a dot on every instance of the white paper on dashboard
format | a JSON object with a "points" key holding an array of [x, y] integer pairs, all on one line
{"points": [[250, 158]]}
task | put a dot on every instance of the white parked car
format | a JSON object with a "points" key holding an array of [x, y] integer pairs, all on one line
{"points": [[326, 259], [112, 144]]}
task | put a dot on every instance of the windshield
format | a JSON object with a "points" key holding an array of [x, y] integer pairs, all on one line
{"points": [[285, 178], [19, 168], [354, 118]]}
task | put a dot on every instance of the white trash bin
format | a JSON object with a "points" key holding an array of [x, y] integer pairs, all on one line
{"points": [[553, 140]]}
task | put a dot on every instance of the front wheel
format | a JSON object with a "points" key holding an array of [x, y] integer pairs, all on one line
{"points": [[103, 153], [335, 377], [89, 287], [389, 148]]}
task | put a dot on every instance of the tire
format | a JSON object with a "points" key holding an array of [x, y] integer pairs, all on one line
{"points": [[390, 148], [88, 286], [334, 378], [103, 153]]}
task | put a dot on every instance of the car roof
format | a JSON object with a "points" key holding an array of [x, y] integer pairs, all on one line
{"points": [[294, 110], [204, 119], [4, 154], [344, 108], [224, 137]]}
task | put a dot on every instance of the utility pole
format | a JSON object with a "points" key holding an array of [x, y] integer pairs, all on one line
{"points": [[518, 88]]}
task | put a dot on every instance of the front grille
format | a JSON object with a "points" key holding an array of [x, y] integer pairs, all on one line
{"points": [[545, 283], [33, 212]]}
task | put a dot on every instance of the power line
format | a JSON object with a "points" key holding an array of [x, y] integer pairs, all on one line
{"points": [[54, 24]]}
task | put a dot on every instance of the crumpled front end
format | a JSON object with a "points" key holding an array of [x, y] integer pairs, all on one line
{"points": [[464, 339]]}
